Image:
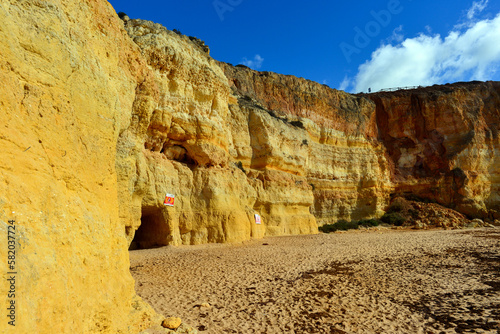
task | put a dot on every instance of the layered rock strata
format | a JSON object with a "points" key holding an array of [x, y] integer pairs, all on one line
{"points": [[439, 143], [343, 161], [294, 170], [444, 144]]}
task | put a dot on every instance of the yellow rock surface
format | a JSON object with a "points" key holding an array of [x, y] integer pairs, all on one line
{"points": [[68, 72], [186, 143], [327, 137]]}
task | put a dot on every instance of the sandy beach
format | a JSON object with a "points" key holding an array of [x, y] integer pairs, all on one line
{"points": [[376, 281]]}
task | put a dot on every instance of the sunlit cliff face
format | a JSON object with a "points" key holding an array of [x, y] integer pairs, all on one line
{"points": [[102, 118]]}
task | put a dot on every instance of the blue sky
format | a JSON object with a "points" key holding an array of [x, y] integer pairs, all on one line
{"points": [[347, 45]]}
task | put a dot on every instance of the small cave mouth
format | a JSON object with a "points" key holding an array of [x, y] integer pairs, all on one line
{"points": [[178, 153], [153, 232], [174, 152]]}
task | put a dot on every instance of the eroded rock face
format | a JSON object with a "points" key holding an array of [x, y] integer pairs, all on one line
{"points": [[290, 95], [293, 171], [68, 72], [333, 146], [180, 145], [444, 144], [439, 143]]}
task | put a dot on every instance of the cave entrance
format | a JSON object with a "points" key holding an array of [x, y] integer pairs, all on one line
{"points": [[153, 231]]}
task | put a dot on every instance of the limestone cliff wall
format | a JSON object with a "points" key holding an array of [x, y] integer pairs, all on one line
{"points": [[439, 143], [68, 73], [179, 145], [195, 142], [341, 158], [444, 143], [294, 171]]}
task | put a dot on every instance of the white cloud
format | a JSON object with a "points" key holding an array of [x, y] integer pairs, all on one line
{"points": [[473, 54], [254, 63], [477, 7], [397, 36], [344, 85], [470, 16]]}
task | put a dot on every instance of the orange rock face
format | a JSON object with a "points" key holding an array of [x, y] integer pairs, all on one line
{"points": [[324, 106], [335, 144], [443, 143], [439, 143]]}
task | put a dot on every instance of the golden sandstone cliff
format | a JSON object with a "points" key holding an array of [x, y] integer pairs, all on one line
{"points": [[439, 143], [69, 74], [102, 117]]}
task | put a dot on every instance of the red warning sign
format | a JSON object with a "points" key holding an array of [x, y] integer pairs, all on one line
{"points": [[169, 200]]}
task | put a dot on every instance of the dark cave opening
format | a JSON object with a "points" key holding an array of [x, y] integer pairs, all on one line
{"points": [[153, 231], [172, 152]]}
